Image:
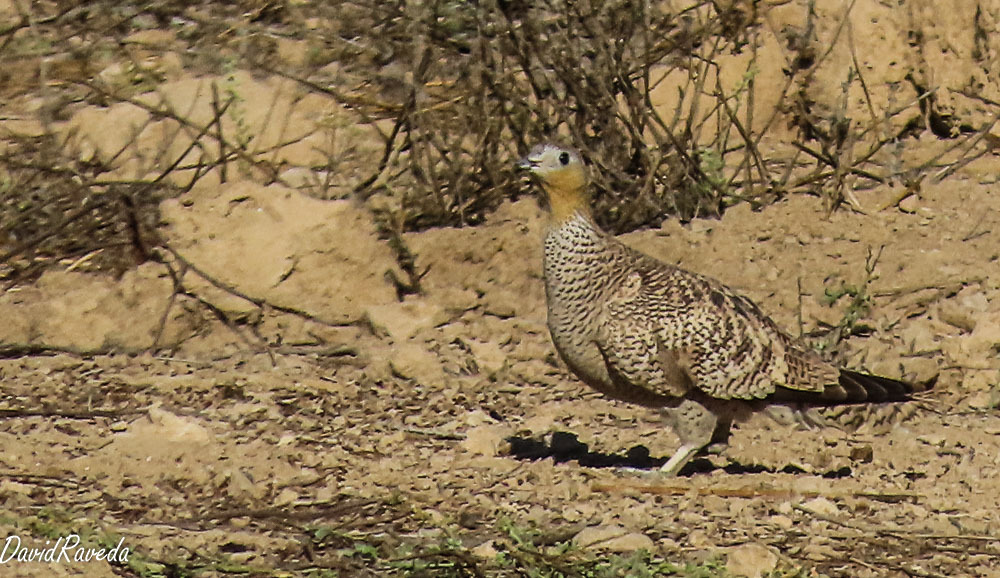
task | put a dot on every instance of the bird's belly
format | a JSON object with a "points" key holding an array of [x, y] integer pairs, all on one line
{"points": [[583, 358], [575, 339], [579, 351]]}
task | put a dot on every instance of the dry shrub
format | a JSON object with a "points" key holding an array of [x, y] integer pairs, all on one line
{"points": [[454, 92], [471, 86], [52, 213]]}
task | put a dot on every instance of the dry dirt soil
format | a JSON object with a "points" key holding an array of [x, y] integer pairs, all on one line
{"points": [[329, 427]]}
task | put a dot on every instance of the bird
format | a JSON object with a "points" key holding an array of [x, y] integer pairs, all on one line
{"points": [[644, 331]]}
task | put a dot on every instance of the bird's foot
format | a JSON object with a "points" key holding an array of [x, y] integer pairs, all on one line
{"points": [[640, 472], [716, 449], [680, 458]]}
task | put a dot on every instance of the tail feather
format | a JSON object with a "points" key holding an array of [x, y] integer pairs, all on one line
{"points": [[894, 390], [852, 387], [870, 390]]}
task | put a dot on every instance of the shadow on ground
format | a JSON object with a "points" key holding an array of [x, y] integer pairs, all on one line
{"points": [[565, 447]]}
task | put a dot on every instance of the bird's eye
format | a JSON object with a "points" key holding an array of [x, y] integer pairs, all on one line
{"points": [[564, 159]]}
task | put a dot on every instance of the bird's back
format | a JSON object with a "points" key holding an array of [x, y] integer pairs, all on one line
{"points": [[645, 331]]}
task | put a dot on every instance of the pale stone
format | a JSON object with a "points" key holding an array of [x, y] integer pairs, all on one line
{"points": [[486, 551], [821, 506], [613, 538], [486, 440], [489, 356], [984, 400], [958, 315], [285, 497], [932, 439], [175, 428], [751, 561], [242, 487], [910, 204], [402, 321], [412, 361], [155, 37]]}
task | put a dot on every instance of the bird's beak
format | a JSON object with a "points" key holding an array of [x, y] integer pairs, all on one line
{"points": [[527, 163]]}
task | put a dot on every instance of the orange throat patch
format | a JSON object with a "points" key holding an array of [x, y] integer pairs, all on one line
{"points": [[567, 194]]}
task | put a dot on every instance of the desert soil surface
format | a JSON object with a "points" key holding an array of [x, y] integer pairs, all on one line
{"points": [[260, 401]]}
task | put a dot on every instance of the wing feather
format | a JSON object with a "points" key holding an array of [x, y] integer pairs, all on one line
{"points": [[730, 349], [638, 362]]}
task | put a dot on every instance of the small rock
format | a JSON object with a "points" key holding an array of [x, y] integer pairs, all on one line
{"points": [[24, 127], [919, 337], [479, 417], [176, 428], [486, 551], [819, 552], [456, 300], [158, 37], [489, 357], [613, 538], [285, 497], [699, 539], [499, 306], [920, 369], [985, 338], [932, 439], [411, 361], [909, 204], [486, 440], [751, 560], [293, 52], [242, 487], [985, 400], [543, 422], [958, 315], [821, 506], [973, 298], [404, 320], [700, 226], [864, 454], [980, 381], [782, 521]]}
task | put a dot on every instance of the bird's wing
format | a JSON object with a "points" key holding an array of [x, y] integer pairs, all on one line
{"points": [[721, 341], [637, 361]]}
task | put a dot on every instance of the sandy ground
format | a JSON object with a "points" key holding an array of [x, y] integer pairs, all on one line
{"points": [[400, 422], [325, 416]]}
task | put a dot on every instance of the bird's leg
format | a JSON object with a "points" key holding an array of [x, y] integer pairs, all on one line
{"points": [[720, 437], [696, 426], [680, 459]]}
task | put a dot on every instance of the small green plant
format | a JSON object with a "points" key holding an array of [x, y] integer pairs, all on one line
{"points": [[237, 108], [712, 165], [858, 305]]}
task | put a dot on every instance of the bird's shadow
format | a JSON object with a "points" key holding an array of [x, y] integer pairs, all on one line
{"points": [[565, 446]]}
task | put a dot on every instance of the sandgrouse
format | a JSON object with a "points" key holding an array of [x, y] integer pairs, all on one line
{"points": [[647, 332]]}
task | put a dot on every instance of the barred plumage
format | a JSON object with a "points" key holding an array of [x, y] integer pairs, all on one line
{"points": [[647, 332]]}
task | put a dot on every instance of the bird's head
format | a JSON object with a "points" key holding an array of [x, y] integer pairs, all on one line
{"points": [[563, 178]]}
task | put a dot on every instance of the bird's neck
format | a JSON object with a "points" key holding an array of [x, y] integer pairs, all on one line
{"points": [[567, 206], [576, 234], [575, 261], [567, 194]]}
